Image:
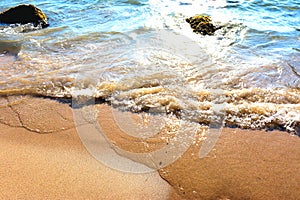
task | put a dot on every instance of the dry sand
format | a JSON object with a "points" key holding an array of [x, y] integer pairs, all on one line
{"points": [[56, 165], [42, 157]]}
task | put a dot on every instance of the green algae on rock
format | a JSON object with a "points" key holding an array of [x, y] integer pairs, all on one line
{"points": [[202, 24], [23, 14]]}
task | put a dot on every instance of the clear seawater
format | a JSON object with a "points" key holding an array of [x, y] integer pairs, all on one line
{"points": [[142, 55]]}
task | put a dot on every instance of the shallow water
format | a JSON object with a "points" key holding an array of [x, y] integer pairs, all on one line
{"points": [[142, 55]]}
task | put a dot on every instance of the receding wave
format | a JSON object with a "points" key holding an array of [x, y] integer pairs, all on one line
{"points": [[251, 108]]}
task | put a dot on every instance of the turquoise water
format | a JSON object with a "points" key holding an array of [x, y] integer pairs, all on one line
{"points": [[142, 54]]}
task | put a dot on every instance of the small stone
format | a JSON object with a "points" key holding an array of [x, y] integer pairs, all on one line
{"points": [[201, 24], [23, 14]]}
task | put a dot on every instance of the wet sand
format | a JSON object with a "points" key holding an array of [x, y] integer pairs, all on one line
{"points": [[243, 165], [42, 157]]}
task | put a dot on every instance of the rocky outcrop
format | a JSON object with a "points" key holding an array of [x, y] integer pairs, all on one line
{"points": [[202, 24], [24, 14]]}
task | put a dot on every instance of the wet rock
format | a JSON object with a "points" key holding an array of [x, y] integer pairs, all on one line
{"points": [[24, 14], [202, 24]]}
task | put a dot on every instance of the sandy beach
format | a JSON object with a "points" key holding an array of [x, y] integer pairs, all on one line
{"points": [[42, 157], [56, 165], [195, 100]]}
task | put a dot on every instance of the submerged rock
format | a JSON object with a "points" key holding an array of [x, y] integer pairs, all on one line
{"points": [[202, 24], [24, 14]]}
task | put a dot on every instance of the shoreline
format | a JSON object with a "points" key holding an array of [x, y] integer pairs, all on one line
{"points": [[244, 164]]}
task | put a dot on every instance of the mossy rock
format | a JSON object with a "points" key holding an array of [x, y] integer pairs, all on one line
{"points": [[202, 24], [23, 14]]}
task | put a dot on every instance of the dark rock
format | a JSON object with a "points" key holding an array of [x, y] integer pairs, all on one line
{"points": [[202, 24], [24, 14]]}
